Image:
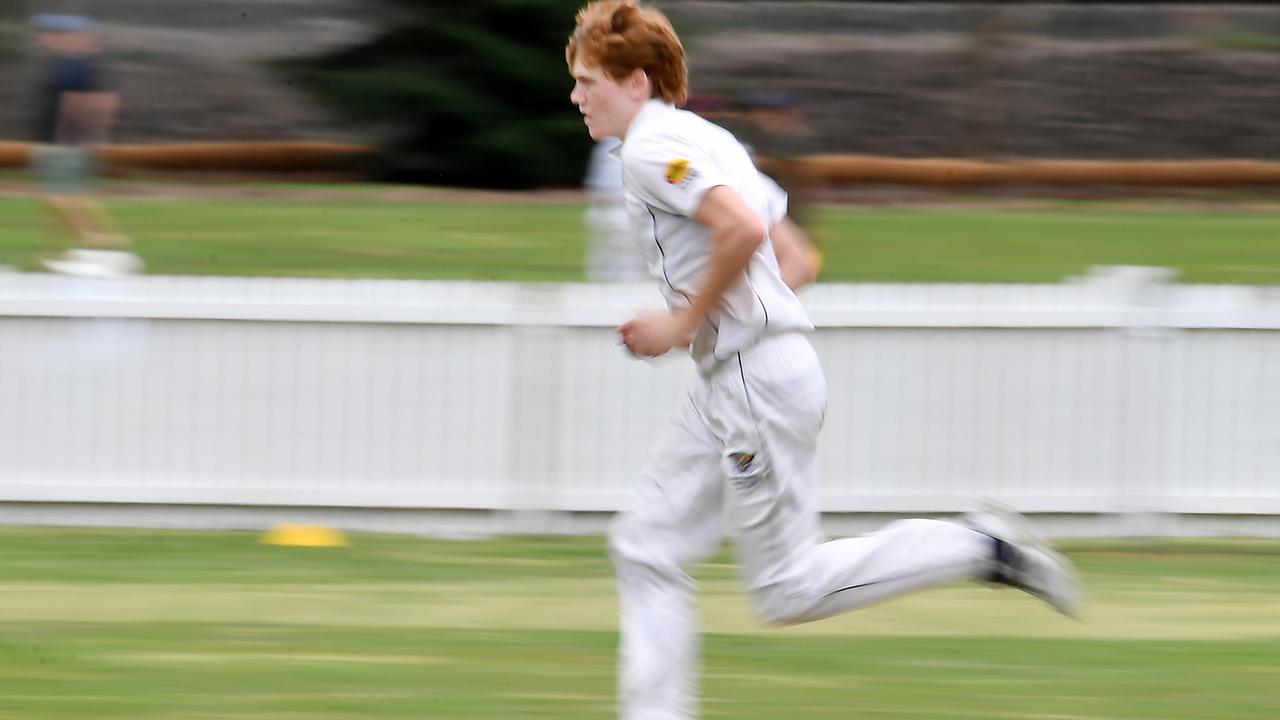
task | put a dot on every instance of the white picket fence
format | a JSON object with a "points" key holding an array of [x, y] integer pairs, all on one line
{"points": [[230, 402]]}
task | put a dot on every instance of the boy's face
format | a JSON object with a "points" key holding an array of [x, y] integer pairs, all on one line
{"points": [[54, 42], [607, 106], [66, 43]]}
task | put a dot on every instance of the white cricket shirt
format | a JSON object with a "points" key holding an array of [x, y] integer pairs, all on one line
{"points": [[670, 160]]}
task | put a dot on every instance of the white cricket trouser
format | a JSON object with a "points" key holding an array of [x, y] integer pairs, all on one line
{"points": [[742, 451]]}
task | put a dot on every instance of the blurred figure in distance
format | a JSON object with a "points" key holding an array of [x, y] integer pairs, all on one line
{"points": [[612, 255], [76, 109]]}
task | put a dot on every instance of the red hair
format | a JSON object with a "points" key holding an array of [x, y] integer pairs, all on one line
{"points": [[620, 37]]}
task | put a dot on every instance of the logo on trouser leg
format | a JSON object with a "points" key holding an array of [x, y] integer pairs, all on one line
{"points": [[742, 461], [745, 469]]}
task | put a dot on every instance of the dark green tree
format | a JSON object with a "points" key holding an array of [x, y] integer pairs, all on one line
{"points": [[476, 93]]}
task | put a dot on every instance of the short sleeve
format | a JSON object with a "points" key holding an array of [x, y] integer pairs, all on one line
{"points": [[96, 79], [669, 173], [80, 74], [775, 199]]}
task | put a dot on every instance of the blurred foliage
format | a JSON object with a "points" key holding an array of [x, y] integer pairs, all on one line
{"points": [[476, 94]]}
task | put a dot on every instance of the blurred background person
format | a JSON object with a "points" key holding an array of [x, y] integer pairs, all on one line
{"points": [[612, 255], [75, 108]]}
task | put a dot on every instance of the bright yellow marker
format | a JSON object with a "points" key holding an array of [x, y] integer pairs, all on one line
{"points": [[304, 536]]}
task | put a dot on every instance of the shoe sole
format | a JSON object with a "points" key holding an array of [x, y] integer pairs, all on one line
{"points": [[1022, 532]]}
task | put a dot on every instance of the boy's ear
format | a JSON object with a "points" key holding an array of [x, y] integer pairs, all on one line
{"points": [[638, 84]]}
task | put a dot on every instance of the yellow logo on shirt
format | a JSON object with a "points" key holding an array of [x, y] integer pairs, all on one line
{"points": [[677, 171]]}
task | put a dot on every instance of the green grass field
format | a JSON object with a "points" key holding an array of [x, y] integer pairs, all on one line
{"points": [[202, 625], [359, 236]]}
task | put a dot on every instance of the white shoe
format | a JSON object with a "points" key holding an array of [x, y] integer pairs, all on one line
{"points": [[1027, 561], [95, 263]]}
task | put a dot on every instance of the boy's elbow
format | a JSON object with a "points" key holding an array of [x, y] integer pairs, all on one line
{"points": [[751, 235], [813, 263], [800, 276], [800, 268], [807, 276]]}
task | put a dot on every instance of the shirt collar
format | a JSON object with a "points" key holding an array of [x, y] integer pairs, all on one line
{"points": [[651, 110]]}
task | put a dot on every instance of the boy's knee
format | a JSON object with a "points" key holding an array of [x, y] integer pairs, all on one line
{"points": [[619, 537], [631, 542], [782, 604]]}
